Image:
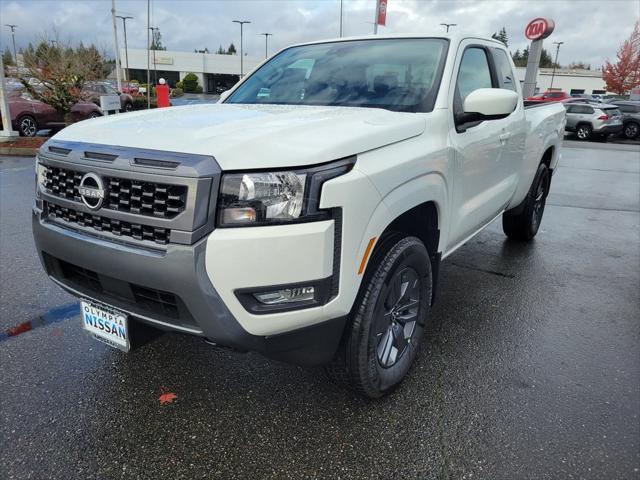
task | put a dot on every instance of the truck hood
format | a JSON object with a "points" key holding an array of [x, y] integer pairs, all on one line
{"points": [[252, 136]]}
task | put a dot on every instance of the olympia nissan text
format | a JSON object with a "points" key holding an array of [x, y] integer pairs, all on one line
{"points": [[305, 215]]}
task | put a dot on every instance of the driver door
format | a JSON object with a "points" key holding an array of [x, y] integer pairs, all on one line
{"points": [[479, 190]]}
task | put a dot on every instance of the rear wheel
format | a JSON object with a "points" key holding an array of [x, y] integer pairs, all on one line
{"points": [[128, 107], [524, 224], [28, 126], [389, 320], [631, 130], [583, 132]]}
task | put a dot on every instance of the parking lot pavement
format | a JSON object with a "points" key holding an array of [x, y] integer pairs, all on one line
{"points": [[531, 370]]}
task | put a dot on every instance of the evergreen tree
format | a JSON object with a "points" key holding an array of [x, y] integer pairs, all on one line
{"points": [[7, 58], [501, 36], [231, 50]]}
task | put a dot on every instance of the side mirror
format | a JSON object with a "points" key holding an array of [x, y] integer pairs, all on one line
{"points": [[224, 95], [488, 104]]}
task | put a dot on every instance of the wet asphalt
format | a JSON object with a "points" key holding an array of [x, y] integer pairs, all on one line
{"points": [[532, 370]]}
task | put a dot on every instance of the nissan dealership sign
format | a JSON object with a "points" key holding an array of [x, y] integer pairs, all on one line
{"points": [[539, 28]]}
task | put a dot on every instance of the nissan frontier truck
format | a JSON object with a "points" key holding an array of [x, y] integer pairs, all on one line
{"points": [[306, 214]]}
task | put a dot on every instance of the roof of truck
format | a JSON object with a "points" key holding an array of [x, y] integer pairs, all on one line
{"points": [[453, 37]]}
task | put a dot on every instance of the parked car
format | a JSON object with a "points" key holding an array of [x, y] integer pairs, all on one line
{"points": [[306, 214], [94, 90], [130, 88], [550, 96], [589, 120], [630, 117], [28, 115]]}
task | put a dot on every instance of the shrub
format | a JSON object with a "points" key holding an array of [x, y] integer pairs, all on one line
{"points": [[140, 103], [198, 89], [177, 92], [180, 85], [190, 82]]}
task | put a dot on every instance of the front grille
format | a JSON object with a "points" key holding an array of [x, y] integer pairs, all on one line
{"points": [[123, 195], [111, 225]]}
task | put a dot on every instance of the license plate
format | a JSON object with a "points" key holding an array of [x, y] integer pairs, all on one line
{"points": [[105, 324]]}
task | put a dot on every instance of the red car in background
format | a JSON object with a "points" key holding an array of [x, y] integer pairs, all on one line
{"points": [[549, 96], [29, 115]]}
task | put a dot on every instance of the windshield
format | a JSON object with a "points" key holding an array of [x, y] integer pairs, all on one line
{"points": [[395, 74]]}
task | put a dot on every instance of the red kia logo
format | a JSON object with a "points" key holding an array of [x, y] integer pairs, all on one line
{"points": [[539, 28]]}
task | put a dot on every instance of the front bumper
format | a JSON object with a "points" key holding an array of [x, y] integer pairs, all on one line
{"points": [[171, 290]]}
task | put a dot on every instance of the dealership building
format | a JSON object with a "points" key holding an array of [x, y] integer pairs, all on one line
{"points": [[217, 73]]}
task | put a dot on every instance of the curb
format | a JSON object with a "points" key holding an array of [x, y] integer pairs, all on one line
{"points": [[19, 151]]}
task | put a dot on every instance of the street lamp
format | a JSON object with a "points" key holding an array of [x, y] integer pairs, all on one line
{"points": [[13, 37], [126, 53], [241, 22], [553, 73], [266, 37], [155, 46], [447, 25]]}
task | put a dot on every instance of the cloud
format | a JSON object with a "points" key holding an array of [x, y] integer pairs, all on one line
{"points": [[591, 30]]}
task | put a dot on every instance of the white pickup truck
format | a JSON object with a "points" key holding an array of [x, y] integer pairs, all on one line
{"points": [[305, 215]]}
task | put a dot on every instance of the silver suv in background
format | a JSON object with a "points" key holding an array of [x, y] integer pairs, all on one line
{"points": [[588, 120], [630, 117]]}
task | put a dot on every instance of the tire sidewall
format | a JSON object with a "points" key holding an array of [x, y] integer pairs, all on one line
{"points": [[587, 129], [375, 379], [632, 124], [542, 174]]}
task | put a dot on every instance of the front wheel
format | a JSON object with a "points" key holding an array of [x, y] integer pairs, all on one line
{"points": [[524, 224], [389, 320]]}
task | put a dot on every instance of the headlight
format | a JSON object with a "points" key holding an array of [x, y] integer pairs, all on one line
{"points": [[263, 198]]}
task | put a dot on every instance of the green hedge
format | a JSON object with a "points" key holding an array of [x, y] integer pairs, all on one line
{"points": [[190, 83]]}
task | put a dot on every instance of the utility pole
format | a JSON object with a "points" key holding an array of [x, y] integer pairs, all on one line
{"points": [[553, 73], [115, 41], [241, 22], [148, 74], [266, 37], [375, 18], [447, 25], [340, 18], [155, 46], [126, 52], [13, 37]]}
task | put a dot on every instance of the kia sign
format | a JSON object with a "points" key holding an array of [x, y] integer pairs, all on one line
{"points": [[539, 28]]}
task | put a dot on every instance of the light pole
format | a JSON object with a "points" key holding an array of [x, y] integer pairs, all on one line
{"points": [[447, 25], [340, 18], [148, 75], [115, 44], [155, 46], [266, 37], [126, 52], [13, 37], [241, 22], [553, 73]]}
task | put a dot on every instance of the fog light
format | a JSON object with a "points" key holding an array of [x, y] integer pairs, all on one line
{"points": [[286, 295]]}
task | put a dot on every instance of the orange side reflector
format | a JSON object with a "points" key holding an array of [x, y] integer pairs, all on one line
{"points": [[365, 257]]}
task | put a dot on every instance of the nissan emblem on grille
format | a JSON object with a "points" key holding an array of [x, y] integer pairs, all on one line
{"points": [[92, 191]]}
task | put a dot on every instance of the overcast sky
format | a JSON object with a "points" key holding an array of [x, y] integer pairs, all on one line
{"points": [[591, 30]]}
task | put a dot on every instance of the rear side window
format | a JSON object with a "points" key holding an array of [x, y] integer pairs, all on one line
{"points": [[582, 109], [506, 78], [474, 72]]}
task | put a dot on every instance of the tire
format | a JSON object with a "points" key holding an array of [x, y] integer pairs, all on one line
{"points": [[584, 131], [128, 107], [523, 222], [631, 130], [28, 126], [388, 322], [94, 115]]}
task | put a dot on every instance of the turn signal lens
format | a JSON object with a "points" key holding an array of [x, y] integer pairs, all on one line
{"points": [[603, 117]]}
